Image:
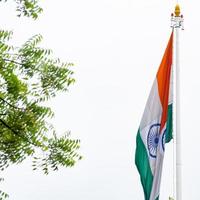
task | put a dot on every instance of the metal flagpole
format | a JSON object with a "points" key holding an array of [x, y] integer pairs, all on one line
{"points": [[177, 24]]}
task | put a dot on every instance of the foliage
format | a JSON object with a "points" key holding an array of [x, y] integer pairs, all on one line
{"points": [[28, 8], [29, 77]]}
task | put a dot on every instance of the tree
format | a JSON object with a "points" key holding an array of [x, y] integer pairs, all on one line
{"points": [[29, 77]]}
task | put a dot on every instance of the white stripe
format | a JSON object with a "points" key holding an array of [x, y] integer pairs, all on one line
{"points": [[153, 108], [152, 115]]}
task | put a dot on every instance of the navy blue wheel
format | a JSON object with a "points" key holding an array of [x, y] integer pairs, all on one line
{"points": [[153, 139]]}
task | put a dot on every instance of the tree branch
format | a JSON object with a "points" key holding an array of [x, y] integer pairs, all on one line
{"points": [[8, 60], [10, 104], [7, 126], [3, 113], [16, 133]]}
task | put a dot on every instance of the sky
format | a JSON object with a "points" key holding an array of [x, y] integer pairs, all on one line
{"points": [[116, 46]]}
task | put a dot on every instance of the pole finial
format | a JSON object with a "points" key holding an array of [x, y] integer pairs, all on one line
{"points": [[177, 10], [177, 18]]}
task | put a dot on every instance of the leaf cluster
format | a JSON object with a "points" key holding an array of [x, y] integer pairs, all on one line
{"points": [[29, 77], [28, 8]]}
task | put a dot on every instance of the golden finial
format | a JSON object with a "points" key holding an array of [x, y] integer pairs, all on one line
{"points": [[177, 10]]}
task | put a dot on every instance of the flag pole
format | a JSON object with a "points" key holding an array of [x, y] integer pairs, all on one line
{"points": [[177, 24]]}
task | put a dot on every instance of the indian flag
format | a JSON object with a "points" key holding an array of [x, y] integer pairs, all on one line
{"points": [[155, 128]]}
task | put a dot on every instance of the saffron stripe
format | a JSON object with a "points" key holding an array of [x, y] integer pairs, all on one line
{"points": [[163, 78]]}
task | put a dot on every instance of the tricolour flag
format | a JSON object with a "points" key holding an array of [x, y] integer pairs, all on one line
{"points": [[155, 128]]}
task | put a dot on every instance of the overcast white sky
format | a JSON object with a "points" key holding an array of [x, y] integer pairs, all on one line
{"points": [[117, 46]]}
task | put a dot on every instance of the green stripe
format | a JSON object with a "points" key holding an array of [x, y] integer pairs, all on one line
{"points": [[169, 129], [143, 166]]}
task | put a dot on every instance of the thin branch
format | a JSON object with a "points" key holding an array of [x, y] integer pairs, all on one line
{"points": [[8, 60], [15, 62], [15, 132], [7, 126], [3, 113], [10, 104]]}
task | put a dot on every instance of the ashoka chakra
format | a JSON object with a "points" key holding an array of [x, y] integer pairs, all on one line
{"points": [[153, 139]]}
